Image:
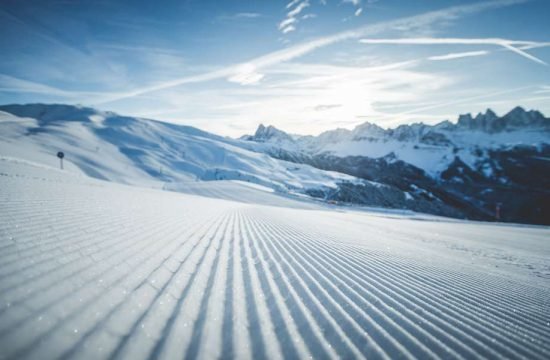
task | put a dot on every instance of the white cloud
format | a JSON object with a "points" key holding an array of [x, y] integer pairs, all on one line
{"points": [[403, 116], [309, 16], [318, 95], [288, 29], [298, 9], [523, 53], [292, 3], [286, 22], [246, 75], [543, 90], [296, 51], [460, 55], [358, 12], [511, 45], [291, 19], [353, 2], [248, 15], [16, 85]]}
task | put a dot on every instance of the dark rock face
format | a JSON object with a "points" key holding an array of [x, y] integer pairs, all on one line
{"points": [[517, 180]]}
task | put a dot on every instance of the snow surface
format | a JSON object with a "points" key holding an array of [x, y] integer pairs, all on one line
{"points": [[94, 269]]}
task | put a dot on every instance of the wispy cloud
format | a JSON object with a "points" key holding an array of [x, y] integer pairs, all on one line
{"points": [[399, 117], [248, 15], [69, 59], [292, 3], [360, 5], [544, 89], [296, 51], [459, 55], [324, 107], [512, 45], [523, 53], [247, 75], [241, 16], [306, 98], [16, 85], [292, 17]]}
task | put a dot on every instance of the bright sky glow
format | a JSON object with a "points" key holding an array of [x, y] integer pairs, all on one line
{"points": [[302, 65]]}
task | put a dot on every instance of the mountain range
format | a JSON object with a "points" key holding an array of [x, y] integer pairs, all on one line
{"points": [[485, 167], [475, 165]]}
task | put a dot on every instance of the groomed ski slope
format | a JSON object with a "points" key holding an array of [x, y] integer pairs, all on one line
{"points": [[91, 269]]}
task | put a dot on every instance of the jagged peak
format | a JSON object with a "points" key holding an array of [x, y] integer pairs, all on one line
{"points": [[489, 115], [367, 125], [465, 118], [367, 129], [516, 111], [260, 130], [487, 121], [520, 112], [264, 133]]}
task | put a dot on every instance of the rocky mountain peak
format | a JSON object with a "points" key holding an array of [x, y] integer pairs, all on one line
{"points": [[488, 117], [264, 133], [367, 130], [490, 122]]}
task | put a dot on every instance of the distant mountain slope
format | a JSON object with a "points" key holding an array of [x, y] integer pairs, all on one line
{"points": [[475, 165]]}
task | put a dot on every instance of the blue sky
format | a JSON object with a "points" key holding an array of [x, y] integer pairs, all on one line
{"points": [[304, 66]]}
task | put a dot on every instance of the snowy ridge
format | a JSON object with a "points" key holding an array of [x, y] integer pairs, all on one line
{"points": [[144, 152], [166, 275]]}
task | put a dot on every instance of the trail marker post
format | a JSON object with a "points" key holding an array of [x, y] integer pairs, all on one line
{"points": [[497, 211], [60, 155]]}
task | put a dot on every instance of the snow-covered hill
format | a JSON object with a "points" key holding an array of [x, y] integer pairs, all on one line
{"points": [[92, 269], [130, 150]]}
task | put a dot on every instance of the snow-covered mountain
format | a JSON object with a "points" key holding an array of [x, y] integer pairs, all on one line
{"points": [[475, 164], [130, 150], [431, 148]]}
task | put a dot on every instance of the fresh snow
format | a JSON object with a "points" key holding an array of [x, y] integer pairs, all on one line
{"points": [[92, 269]]}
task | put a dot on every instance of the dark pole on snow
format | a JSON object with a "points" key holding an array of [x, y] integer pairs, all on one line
{"points": [[60, 155]]}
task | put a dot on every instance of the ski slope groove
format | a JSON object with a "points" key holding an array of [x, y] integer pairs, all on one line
{"points": [[91, 269]]}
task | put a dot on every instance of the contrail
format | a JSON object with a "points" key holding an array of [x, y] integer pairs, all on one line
{"points": [[512, 45]]}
